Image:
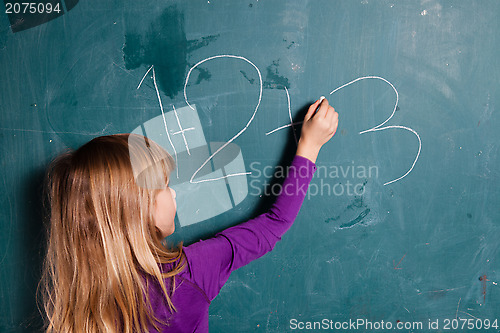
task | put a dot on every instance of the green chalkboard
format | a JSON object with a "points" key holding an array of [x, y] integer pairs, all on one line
{"points": [[401, 223]]}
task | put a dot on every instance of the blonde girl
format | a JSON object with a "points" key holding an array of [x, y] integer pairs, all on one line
{"points": [[107, 268]]}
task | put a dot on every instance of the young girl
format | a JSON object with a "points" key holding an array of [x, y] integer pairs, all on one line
{"points": [[107, 268]]}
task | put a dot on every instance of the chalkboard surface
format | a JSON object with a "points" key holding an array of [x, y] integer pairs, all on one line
{"points": [[401, 224]]}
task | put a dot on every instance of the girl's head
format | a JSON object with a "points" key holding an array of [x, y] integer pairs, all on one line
{"points": [[110, 209], [151, 166]]}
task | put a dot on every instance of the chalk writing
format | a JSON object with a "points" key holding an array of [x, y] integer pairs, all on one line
{"points": [[380, 128], [373, 129], [240, 132]]}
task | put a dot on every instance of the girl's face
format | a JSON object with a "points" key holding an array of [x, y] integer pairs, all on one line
{"points": [[164, 211]]}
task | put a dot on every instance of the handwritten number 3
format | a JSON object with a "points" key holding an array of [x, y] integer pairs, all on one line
{"points": [[379, 126]]}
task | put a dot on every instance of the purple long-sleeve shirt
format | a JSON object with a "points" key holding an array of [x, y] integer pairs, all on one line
{"points": [[210, 262]]}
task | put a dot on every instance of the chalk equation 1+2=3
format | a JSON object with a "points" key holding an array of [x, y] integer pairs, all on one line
{"points": [[379, 127]]}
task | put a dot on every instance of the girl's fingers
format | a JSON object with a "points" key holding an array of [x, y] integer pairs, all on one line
{"points": [[323, 108], [331, 115], [311, 110]]}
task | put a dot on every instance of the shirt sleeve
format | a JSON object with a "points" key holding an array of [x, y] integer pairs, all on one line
{"points": [[212, 261]]}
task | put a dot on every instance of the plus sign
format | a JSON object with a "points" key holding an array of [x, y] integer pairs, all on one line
{"points": [[182, 130]]}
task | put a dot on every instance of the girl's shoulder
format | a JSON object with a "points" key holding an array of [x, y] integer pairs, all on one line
{"points": [[209, 264]]}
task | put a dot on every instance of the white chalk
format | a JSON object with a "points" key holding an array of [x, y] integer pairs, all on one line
{"points": [[320, 101]]}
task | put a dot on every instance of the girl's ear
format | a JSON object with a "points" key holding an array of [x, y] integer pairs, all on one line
{"points": [[158, 232]]}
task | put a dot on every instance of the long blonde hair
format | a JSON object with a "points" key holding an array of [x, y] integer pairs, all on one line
{"points": [[102, 240]]}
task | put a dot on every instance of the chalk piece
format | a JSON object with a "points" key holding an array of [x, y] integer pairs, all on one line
{"points": [[321, 99]]}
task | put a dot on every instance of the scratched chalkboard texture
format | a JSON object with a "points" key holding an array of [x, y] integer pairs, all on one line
{"points": [[401, 223]]}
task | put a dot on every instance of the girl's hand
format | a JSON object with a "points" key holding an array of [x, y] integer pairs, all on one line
{"points": [[317, 129]]}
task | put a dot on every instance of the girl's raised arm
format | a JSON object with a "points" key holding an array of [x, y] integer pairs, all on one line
{"points": [[212, 261]]}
